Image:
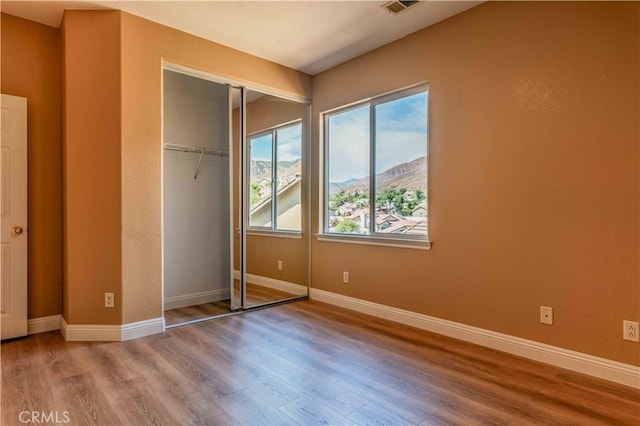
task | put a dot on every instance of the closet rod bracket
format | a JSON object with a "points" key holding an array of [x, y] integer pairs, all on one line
{"points": [[195, 172]]}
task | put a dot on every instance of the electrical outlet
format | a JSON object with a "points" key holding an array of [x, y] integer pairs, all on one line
{"points": [[345, 277], [279, 265], [109, 300], [630, 330], [546, 315]]}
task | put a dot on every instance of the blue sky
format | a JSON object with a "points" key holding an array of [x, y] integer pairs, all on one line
{"points": [[261, 148], [289, 144], [401, 136]]}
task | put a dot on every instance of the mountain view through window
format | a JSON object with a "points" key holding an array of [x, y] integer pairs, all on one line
{"points": [[395, 131]]}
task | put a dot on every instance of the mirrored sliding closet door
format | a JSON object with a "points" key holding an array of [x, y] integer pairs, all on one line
{"points": [[276, 196]]}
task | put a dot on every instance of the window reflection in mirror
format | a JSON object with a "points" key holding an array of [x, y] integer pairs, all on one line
{"points": [[275, 188], [282, 146]]}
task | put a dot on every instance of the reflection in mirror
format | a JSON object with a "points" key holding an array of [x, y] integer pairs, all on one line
{"points": [[277, 240], [282, 146]]}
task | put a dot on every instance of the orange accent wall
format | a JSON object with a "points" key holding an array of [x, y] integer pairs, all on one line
{"points": [[534, 191], [31, 69], [91, 163]]}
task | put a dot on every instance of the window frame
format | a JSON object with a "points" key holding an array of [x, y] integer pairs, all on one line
{"points": [[273, 131], [374, 237]]}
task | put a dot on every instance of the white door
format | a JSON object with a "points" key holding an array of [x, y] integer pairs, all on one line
{"points": [[13, 206]]}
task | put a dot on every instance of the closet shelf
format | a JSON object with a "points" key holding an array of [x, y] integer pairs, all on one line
{"points": [[198, 149]]}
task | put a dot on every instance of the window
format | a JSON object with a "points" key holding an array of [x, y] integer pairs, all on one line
{"points": [[275, 192], [376, 167]]}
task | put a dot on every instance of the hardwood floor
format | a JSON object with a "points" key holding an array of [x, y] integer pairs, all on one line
{"points": [[255, 295], [300, 363], [190, 313]]}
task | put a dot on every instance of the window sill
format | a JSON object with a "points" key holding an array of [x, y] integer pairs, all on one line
{"points": [[376, 241], [271, 233]]}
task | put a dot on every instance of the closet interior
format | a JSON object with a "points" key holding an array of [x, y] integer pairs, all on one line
{"points": [[235, 198]]}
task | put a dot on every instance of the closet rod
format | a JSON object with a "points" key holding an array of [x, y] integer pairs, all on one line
{"points": [[201, 150]]}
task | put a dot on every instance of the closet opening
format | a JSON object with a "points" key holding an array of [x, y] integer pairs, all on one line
{"points": [[218, 259]]}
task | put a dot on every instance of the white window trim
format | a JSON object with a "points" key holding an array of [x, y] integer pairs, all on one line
{"points": [[379, 239], [421, 244], [266, 232]]}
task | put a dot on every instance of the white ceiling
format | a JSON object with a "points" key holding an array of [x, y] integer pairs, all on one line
{"points": [[310, 36]]}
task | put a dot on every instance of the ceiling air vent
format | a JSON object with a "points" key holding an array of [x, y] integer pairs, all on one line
{"points": [[398, 6]]}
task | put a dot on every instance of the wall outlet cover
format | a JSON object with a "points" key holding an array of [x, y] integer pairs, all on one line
{"points": [[546, 315], [109, 300], [631, 331]]}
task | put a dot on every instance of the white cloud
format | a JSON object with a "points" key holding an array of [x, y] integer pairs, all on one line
{"points": [[349, 148], [290, 143]]}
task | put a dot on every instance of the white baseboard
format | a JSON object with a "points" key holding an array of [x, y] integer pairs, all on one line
{"points": [[110, 333], [43, 324], [196, 298], [133, 330], [90, 332], [286, 286], [603, 368]]}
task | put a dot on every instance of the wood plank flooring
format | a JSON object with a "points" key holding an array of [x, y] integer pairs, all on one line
{"points": [[300, 363], [190, 313], [255, 295], [258, 294]]}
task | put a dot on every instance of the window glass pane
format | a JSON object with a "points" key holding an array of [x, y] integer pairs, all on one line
{"points": [[401, 165], [260, 162], [349, 159], [289, 177]]}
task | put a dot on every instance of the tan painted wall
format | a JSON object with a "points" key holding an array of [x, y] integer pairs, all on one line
{"points": [[31, 68], [91, 163], [144, 46], [534, 195]]}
